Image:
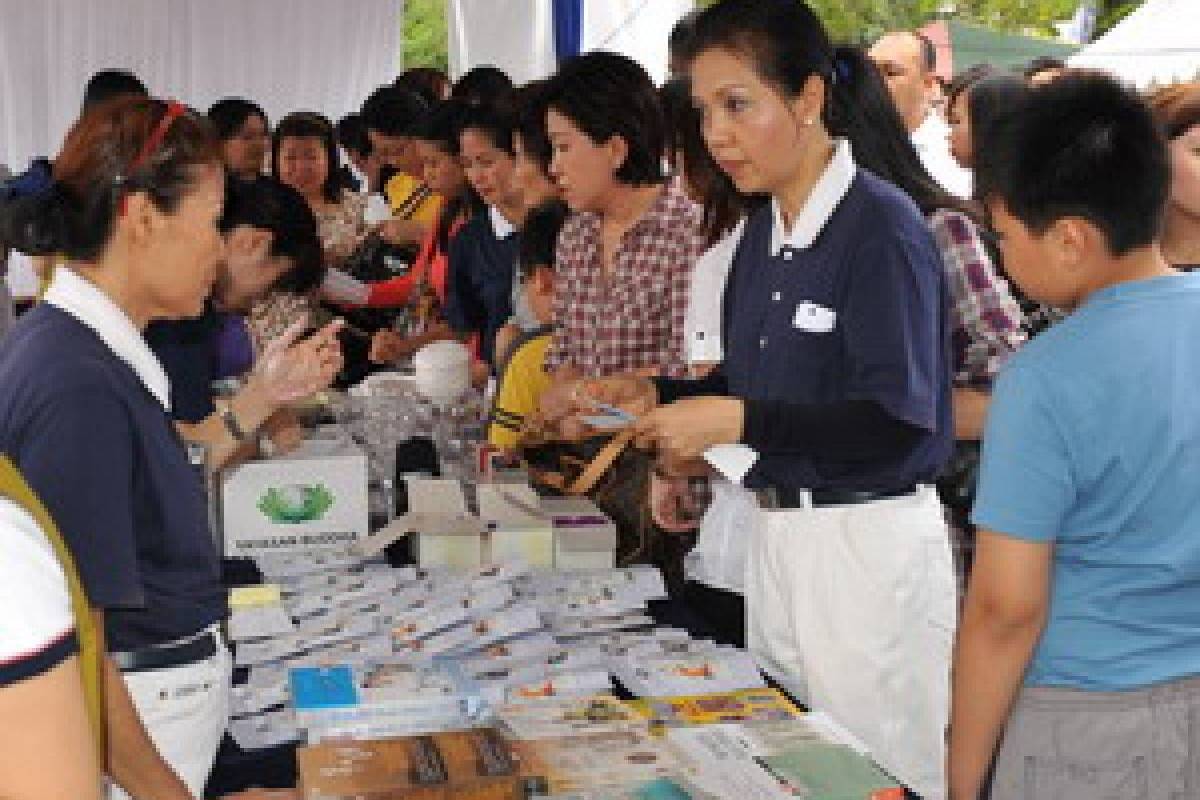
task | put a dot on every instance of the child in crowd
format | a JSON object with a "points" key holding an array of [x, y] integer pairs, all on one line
{"points": [[522, 375], [1079, 649]]}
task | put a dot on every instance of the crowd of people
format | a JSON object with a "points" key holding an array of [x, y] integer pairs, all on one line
{"points": [[930, 343]]}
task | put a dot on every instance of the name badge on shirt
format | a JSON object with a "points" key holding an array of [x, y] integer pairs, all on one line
{"points": [[814, 318]]}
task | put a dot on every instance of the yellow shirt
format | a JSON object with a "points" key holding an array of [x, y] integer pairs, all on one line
{"points": [[521, 386], [409, 198]]}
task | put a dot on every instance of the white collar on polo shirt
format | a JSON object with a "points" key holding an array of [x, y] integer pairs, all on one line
{"points": [[80, 298], [826, 194], [500, 225], [932, 134]]}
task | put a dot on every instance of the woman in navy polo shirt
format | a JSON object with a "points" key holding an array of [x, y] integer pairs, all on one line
{"points": [[84, 413], [483, 255], [835, 384]]}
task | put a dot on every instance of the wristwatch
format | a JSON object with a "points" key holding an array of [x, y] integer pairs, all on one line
{"points": [[231, 422]]}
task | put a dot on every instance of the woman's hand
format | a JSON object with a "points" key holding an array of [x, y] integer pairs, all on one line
{"points": [[683, 430], [284, 430], [565, 404], [401, 231], [388, 347], [480, 373], [247, 248], [289, 370]]}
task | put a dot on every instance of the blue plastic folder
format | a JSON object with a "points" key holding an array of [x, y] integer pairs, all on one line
{"points": [[323, 687]]}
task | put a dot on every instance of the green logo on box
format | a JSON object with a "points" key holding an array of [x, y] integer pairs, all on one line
{"points": [[295, 504]]}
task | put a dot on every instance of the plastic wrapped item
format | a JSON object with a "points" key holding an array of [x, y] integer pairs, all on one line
{"points": [[442, 371]]}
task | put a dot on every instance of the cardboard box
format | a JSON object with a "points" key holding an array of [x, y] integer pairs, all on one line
{"points": [[314, 498], [475, 764], [518, 531], [446, 535], [584, 537]]}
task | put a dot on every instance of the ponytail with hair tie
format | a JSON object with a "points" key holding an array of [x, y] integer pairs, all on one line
{"points": [[33, 213], [843, 69]]}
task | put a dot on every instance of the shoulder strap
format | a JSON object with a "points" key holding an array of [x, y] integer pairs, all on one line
{"points": [[14, 487], [591, 474], [523, 338]]}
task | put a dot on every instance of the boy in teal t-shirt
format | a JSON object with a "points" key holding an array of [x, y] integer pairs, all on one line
{"points": [[1079, 647]]}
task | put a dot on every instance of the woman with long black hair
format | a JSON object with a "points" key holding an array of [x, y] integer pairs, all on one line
{"points": [[835, 382]]}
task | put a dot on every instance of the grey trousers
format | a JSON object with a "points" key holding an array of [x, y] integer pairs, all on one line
{"points": [[1066, 744]]}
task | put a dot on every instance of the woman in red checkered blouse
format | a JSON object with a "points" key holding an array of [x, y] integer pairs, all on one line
{"points": [[625, 259]]}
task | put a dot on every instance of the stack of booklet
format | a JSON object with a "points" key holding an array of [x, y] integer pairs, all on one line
{"points": [[382, 700], [475, 639], [600, 748]]}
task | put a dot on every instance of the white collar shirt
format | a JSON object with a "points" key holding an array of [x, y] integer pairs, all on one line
{"points": [[83, 300], [932, 144], [822, 201]]}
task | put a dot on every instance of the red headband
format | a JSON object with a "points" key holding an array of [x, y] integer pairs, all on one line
{"points": [[175, 109]]}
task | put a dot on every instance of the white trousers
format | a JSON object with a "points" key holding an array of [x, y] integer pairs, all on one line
{"points": [[852, 609], [186, 711]]}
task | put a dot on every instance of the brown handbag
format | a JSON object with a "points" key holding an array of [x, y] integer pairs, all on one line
{"points": [[616, 477]]}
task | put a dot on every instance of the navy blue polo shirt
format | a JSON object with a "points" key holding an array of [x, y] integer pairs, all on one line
{"points": [[480, 280], [861, 314], [104, 457], [187, 350]]}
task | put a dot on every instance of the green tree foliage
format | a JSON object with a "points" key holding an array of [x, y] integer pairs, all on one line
{"points": [[864, 20], [424, 33], [848, 20]]}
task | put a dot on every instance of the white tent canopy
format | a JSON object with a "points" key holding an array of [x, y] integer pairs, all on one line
{"points": [[288, 55], [518, 35], [1159, 43]]}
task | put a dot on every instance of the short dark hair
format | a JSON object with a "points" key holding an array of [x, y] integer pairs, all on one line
{"points": [[679, 40], [430, 83], [607, 94], [783, 39], [310, 125], [102, 161], [990, 100], [109, 83], [495, 122], [539, 236], [230, 114], [1083, 146], [393, 111], [266, 204], [1042, 64], [531, 122], [485, 84], [352, 135], [441, 128], [443, 125]]}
